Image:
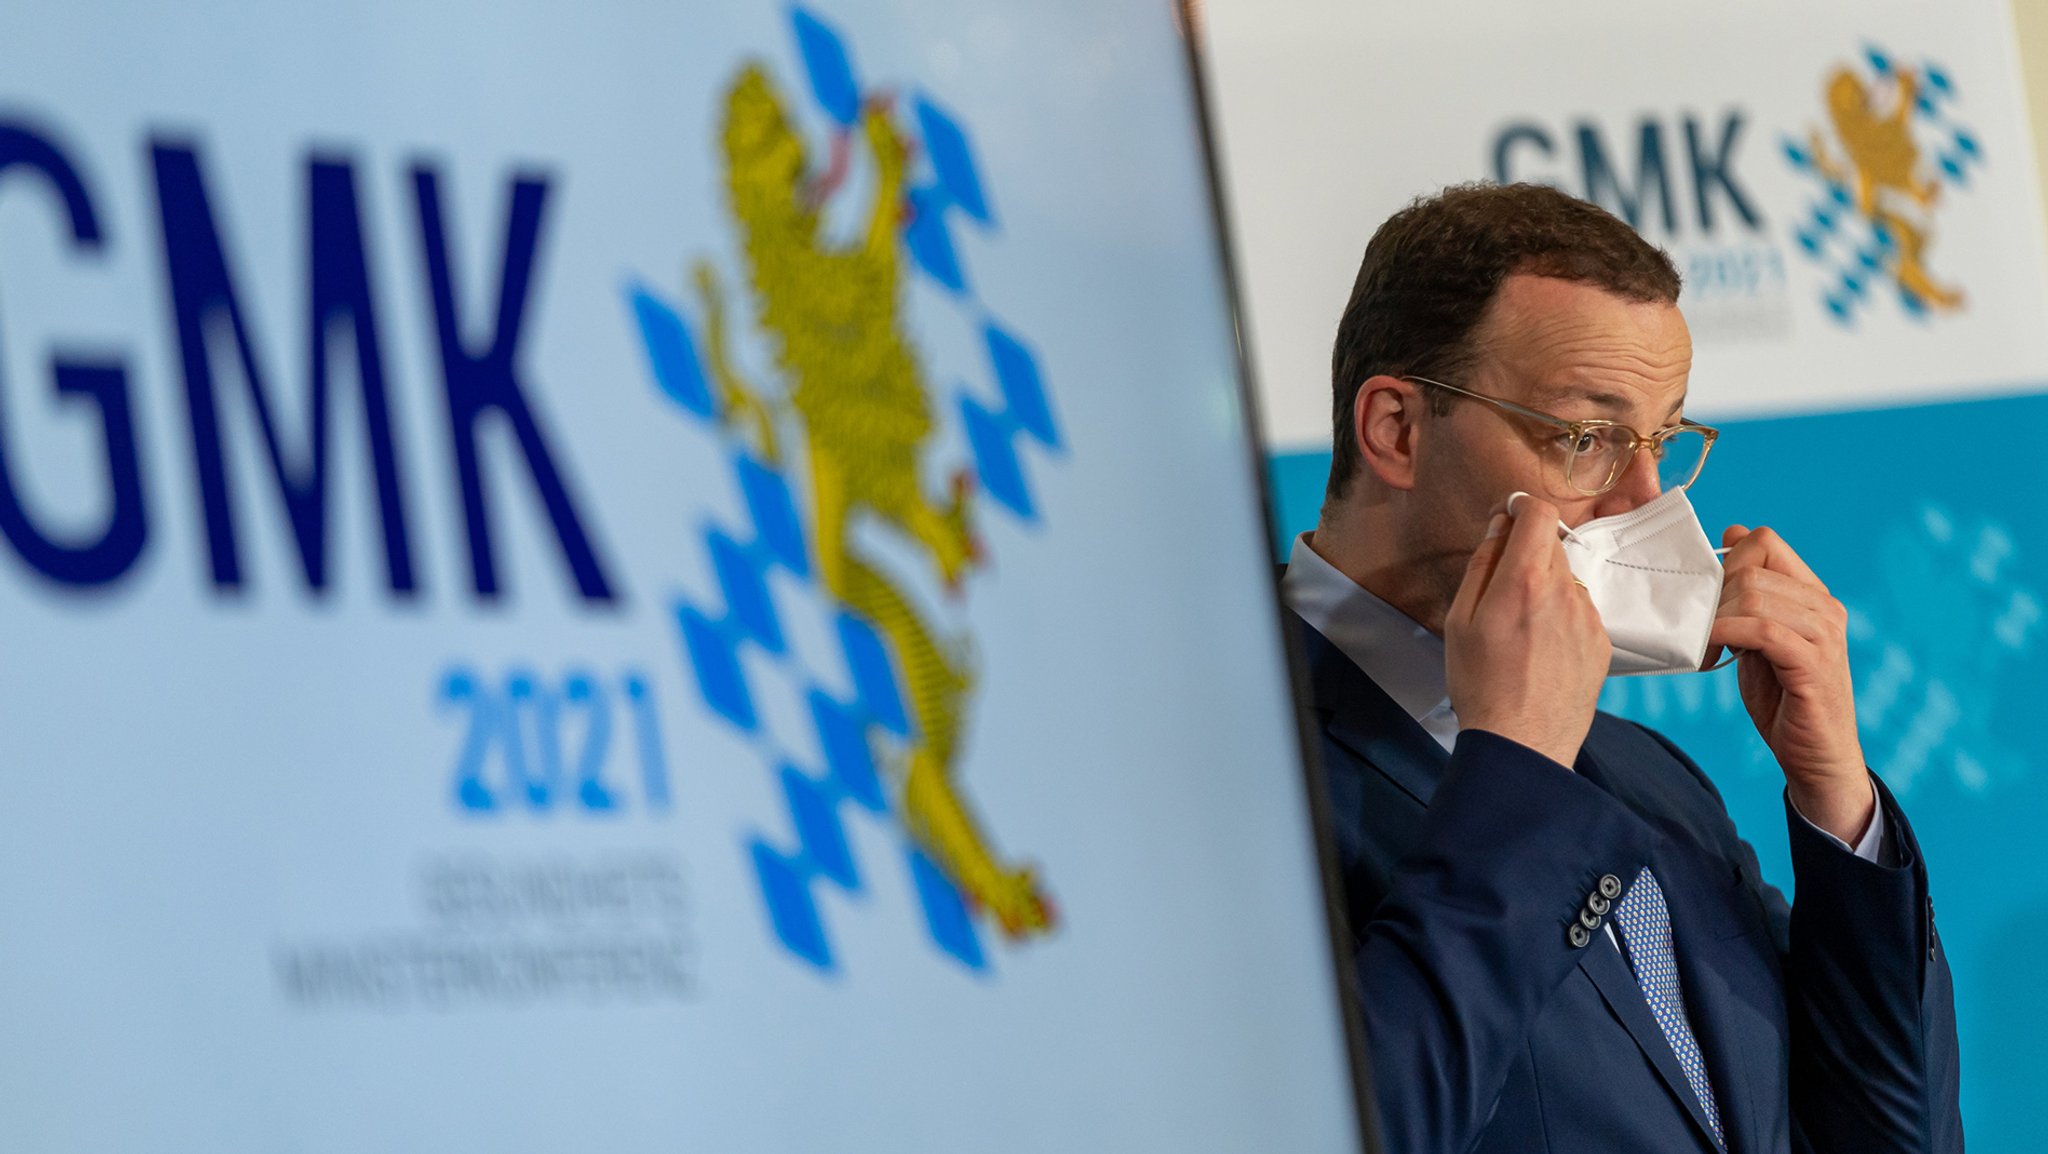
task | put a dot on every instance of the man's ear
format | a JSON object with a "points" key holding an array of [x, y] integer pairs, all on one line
{"points": [[1386, 417]]}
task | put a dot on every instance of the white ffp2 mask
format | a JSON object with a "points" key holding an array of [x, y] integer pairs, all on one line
{"points": [[1654, 577]]}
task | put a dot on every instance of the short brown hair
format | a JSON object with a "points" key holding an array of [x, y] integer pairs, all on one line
{"points": [[1432, 269]]}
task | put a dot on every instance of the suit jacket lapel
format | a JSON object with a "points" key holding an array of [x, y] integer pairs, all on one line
{"points": [[1616, 981], [1710, 945], [1617, 985], [1360, 716], [1714, 1009]]}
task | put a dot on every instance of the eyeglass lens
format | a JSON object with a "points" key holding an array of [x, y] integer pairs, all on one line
{"points": [[1600, 458]]}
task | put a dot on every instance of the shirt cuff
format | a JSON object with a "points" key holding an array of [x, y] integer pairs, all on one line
{"points": [[1867, 846]]}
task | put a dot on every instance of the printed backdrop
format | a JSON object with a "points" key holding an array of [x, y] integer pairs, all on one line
{"points": [[590, 577], [1849, 191]]}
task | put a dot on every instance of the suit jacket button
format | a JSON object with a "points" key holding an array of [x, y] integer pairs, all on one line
{"points": [[1589, 919], [1610, 886], [1578, 935], [1598, 904]]}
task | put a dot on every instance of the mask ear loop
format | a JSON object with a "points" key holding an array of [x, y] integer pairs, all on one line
{"points": [[1731, 654], [1564, 531]]}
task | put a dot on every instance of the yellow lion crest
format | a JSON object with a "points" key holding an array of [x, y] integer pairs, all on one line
{"points": [[1881, 165], [854, 418]]}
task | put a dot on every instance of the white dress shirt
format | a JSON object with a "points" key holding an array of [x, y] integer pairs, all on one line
{"points": [[1407, 660]]}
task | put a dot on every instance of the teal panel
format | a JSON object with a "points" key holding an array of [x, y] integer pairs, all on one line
{"points": [[1295, 482]]}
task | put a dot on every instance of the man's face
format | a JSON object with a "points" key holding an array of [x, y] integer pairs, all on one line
{"points": [[1568, 349]]}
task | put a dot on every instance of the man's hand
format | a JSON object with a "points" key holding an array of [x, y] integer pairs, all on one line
{"points": [[1794, 676], [1524, 652]]}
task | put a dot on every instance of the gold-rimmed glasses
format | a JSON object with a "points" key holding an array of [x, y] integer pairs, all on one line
{"points": [[1599, 452]]}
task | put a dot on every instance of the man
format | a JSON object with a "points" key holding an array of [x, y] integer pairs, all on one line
{"points": [[1561, 942]]}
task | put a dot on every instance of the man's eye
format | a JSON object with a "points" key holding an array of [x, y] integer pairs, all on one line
{"points": [[1587, 442]]}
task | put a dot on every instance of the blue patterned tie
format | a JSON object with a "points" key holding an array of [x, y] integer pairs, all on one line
{"points": [[1646, 935]]}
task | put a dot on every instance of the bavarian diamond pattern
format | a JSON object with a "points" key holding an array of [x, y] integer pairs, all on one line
{"points": [[1645, 925], [741, 629]]}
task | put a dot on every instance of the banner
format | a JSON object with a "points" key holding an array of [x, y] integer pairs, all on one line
{"points": [[621, 577], [1849, 191]]}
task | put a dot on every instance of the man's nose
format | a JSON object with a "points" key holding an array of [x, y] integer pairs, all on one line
{"points": [[1638, 486]]}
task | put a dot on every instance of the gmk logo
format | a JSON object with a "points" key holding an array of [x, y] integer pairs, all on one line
{"points": [[480, 378], [1679, 179], [1689, 153], [1887, 156]]}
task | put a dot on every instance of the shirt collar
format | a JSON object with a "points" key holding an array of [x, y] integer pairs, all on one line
{"points": [[1402, 658]]}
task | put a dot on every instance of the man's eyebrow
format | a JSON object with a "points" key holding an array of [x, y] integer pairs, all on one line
{"points": [[1567, 394], [1611, 402]]}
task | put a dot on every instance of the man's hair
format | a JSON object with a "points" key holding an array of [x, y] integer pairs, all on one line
{"points": [[1432, 269]]}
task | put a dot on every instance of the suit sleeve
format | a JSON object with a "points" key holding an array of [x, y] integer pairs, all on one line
{"points": [[1475, 933], [1874, 1063], [1872, 1007]]}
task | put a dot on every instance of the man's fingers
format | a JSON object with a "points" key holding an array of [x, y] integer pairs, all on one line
{"points": [[1780, 644], [1738, 555], [1763, 547], [1779, 558], [1522, 541], [1815, 624], [1772, 596], [1755, 579]]}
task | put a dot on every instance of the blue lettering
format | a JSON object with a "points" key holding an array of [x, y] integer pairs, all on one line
{"points": [[1717, 170], [103, 382], [1503, 172], [1604, 186], [478, 382], [201, 285]]}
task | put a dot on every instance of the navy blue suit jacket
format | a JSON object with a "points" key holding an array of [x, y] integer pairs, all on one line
{"points": [[1829, 1026]]}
